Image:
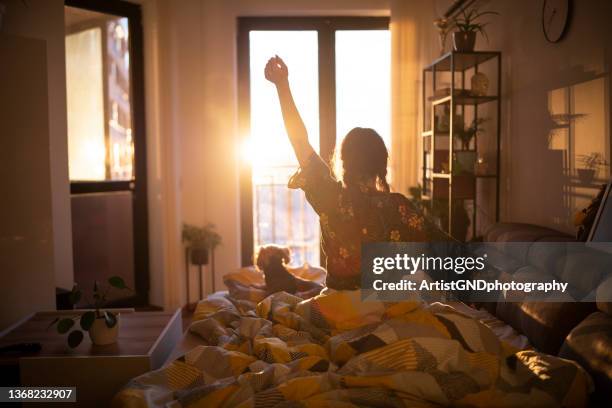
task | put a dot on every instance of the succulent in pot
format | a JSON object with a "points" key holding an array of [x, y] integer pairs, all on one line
{"points": [[467, 24], [102, 325]]}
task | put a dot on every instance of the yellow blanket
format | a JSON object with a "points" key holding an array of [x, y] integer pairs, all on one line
{"points": [[336, 350]]}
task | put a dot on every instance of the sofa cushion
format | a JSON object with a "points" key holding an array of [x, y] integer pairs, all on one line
{"points": [[546, 324], [590, 344], [584, 270], [519, 232]]}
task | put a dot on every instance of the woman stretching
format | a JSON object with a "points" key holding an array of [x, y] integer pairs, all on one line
{"points": [[360, 208]]}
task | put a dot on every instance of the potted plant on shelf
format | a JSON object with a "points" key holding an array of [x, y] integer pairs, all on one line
{"points": [[466, 24], [102, 325], [466, 135], [465, 158], [200, 241], [591, 162]]}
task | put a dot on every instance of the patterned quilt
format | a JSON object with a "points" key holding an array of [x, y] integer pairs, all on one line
{"points": [[335, 350]]}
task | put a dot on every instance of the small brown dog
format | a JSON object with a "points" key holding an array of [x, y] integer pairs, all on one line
{"points": [[271, 260]]}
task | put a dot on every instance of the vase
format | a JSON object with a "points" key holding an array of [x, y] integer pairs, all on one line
{"points": [[464, 41], [480, 84], [442, 25], [102, 335]]}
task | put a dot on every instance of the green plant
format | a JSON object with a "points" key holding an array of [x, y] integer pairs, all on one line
{"points": [[87, 319], [468, 21], [201, 237], [474, 129], [592, 161]]}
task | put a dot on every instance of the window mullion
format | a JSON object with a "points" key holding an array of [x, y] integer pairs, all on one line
{"points": [[327, 90]]}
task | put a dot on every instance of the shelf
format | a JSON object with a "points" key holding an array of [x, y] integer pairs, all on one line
{"points": [[458, 180], [462, 100], [462, 60]]}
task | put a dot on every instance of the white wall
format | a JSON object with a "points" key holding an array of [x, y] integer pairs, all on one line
{"points": [[26, 223], [537, 74], [44, 19]]}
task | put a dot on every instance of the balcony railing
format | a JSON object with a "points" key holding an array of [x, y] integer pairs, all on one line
{"points": [[282, 216]]}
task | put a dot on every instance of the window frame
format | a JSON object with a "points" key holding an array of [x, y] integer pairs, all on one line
{"points": [[326, 28]]}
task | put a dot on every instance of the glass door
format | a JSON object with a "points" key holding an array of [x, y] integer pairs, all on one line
{"points": [[339, 69], [106, 152]]}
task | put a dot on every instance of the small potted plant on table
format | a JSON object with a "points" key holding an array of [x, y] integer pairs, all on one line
{"points": [[102, 325]]}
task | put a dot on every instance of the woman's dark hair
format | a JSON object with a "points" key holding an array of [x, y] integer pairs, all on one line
{"points": [[364, 156]]}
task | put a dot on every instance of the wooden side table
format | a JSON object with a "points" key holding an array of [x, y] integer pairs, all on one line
{"points": [[98, 372]]}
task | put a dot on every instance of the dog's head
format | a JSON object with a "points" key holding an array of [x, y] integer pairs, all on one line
{"points": [[270, 255]]}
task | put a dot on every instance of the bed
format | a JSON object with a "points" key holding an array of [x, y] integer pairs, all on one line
{"points": [[335, 350]]}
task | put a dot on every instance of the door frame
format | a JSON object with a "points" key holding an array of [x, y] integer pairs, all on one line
{"points": [[138, 185], [326, 28]]}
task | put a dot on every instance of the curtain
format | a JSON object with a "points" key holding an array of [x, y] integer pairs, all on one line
{"points": [[413, 45]]}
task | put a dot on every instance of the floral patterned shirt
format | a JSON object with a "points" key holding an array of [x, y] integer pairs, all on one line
{"points": [[352, 215]]}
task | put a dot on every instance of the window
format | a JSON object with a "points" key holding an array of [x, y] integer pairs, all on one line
{"points": [[100, 144], [340, 76]]}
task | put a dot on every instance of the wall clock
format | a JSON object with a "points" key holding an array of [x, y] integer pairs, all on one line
{"points": [[555, 19]]}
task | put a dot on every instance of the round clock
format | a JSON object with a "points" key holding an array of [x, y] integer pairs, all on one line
{"points": [[555, 19]]}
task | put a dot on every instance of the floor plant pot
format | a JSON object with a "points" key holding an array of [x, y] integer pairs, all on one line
{"points": [[464, 41], [102, 335], [198, 256]]}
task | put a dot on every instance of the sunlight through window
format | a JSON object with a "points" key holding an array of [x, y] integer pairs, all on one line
{"points": [[281, 215]]}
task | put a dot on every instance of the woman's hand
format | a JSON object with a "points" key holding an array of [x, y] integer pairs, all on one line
{"points": [[276, 71]]}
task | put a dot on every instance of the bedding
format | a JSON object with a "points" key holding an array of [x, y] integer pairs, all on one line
{"points": [[336, 350]]}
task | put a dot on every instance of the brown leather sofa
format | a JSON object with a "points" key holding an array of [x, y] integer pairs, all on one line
{"points": [[580, 331]]}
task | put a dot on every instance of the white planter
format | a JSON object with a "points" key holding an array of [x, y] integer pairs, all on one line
{"points": [[101, 335]]}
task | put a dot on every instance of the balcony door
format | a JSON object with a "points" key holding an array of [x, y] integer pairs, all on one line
{"points": [[106, 145], [340, 75]]}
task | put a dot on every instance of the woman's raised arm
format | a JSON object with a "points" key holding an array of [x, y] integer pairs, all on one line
{"points": [[277, 73]]}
